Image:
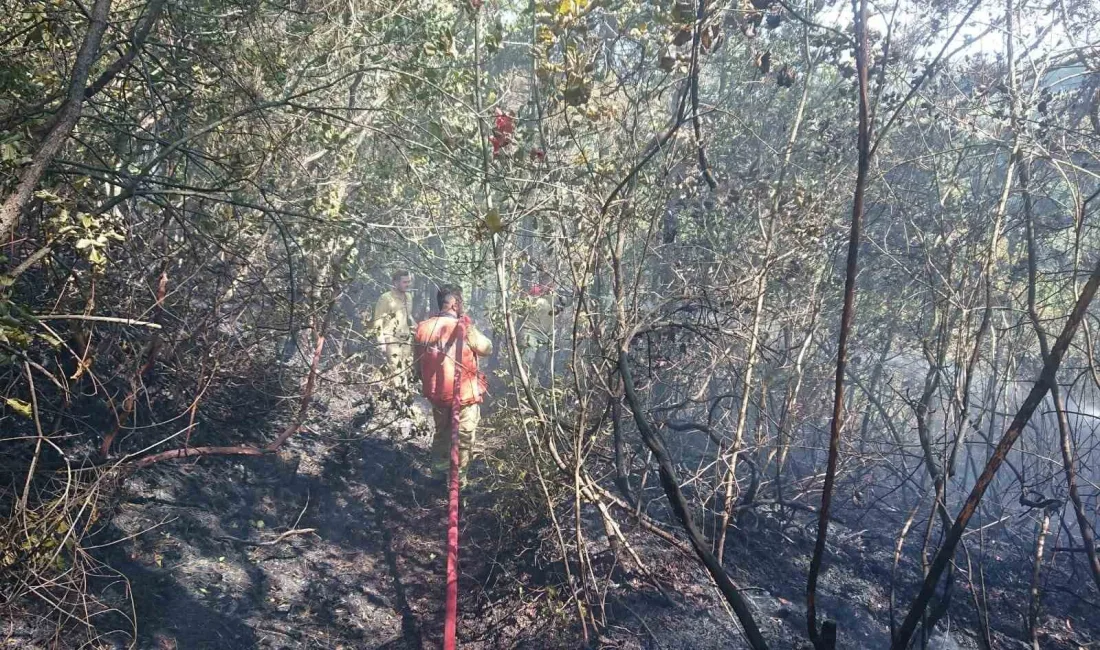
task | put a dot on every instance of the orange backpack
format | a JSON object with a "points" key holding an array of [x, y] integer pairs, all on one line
{"points": [[436, 340]]}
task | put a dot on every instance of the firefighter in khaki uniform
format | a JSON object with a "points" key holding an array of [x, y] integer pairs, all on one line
{"points": [[392, 325], [538, 330], [436, 363]]}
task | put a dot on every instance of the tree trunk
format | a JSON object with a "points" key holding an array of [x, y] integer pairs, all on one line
{"points": [[63, 124]]}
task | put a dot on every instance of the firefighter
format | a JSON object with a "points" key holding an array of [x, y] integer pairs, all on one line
{"points": [[435, 343], [537, 330], [392, 327]]}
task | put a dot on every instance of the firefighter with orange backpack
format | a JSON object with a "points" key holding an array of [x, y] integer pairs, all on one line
{"points": [[437, 365]]}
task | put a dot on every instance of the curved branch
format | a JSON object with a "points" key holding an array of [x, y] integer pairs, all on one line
{"points": [[1043, 384], [63, 125], [696, 124], [191, 452], [671, 484], [827, 641], [928, 70], [137, 39]]}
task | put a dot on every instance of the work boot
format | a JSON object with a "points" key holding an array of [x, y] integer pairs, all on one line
{"points": [[434, 483], [444, 479]]}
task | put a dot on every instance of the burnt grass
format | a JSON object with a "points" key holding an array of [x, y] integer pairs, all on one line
{"points": [[208, 563]]}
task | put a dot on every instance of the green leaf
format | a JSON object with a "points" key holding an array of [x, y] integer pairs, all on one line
{"points": [[493, 222], [48, 196], [51, 339], [19, 406]]}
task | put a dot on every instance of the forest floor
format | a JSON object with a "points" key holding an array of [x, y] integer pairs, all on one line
{"points": [[204, 549]]}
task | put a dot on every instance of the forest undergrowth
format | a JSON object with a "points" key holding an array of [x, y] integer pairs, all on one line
{"points": [[792, 308], [336, 541]]}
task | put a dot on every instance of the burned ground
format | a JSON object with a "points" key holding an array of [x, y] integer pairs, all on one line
{"points": [[337, 542]]}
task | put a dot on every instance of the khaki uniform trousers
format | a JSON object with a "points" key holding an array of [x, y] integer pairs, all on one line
{"points": [[399, 360], [468, 419]]}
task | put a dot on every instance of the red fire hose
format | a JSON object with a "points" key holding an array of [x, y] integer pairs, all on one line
{"points": [[451, 616]]}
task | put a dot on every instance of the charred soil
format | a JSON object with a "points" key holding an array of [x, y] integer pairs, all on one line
{"points": [[337, 542]]}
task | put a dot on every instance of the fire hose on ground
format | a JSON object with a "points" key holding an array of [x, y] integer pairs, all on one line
{"points": [[451, 613]]}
